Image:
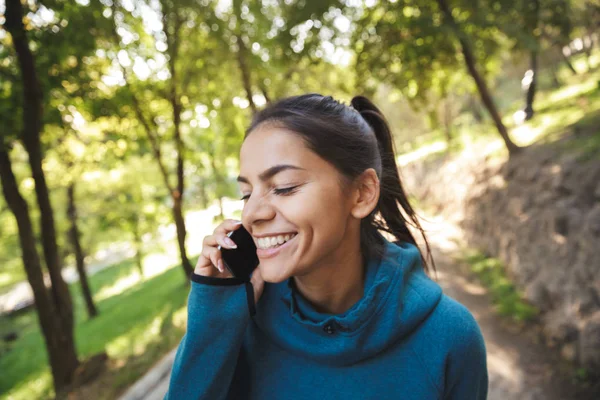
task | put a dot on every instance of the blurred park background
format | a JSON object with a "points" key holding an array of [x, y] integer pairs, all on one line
{"points": [[121, 122]]}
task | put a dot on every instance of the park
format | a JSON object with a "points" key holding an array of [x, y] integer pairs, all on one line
{"points": [[121, 123]]}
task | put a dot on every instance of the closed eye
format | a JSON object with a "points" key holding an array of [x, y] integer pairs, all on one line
{"points": [[278, 191], [285, 191]]}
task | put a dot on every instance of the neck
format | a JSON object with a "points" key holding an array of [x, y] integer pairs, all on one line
{"points": [[337, 283]]}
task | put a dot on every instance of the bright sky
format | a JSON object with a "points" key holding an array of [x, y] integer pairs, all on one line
{"points": [[152, 23], [156, 66]]}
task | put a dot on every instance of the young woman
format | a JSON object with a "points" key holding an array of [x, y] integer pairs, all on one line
{"points": [[344, 313]]}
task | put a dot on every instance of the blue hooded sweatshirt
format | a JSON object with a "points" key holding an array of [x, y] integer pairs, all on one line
{"points": [[404, 339]]}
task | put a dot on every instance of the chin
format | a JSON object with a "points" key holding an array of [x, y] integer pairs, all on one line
{"points": [[272, 274]]}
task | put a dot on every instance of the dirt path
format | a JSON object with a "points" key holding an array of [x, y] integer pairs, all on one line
{"points": [[519, 366]]}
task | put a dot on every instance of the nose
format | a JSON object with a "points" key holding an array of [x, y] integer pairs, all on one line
{"points": [[256, 210]]}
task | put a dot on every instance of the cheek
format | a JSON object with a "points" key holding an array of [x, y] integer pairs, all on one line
{"points": [[320, 215]]}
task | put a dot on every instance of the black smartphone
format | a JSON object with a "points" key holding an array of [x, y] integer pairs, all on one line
{"points": [[243, 260]]}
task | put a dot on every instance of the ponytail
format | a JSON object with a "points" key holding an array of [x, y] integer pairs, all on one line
{"points": [[393, 203]]}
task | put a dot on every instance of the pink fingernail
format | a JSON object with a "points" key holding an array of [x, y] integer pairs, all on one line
{"points": [[220, 265], [230, 242]]}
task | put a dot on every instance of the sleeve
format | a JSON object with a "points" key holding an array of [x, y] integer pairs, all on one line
{"points": [[467, 376], [219, 310]]}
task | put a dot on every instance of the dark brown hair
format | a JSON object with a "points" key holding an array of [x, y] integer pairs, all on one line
{"points": [[353, 138]]}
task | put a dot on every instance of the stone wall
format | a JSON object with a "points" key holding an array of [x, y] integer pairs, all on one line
{"points": [[538, 212]]}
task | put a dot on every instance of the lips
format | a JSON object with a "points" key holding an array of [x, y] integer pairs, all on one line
{"points": [[268, 242], [273, 251]]}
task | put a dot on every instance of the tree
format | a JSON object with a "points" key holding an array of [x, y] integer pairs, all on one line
{"points": [[72, 173], [532, 17], [272, 43], [56, 321], [417, 47], [534, 26], [174, 37], [482, 87], [74, 237]]}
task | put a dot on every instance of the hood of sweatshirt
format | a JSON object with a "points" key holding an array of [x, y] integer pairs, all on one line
{"points": [[398, 297]]}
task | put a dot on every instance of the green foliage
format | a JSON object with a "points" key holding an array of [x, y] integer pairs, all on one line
{"points": [[412, 48], [505, 296]]}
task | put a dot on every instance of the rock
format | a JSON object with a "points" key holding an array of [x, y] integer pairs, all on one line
{"points": [[538, 294], [544, 198], [575, 217], [592, 224], [589, 301], [569, 352], [542, 220], [561, 224], [589, 342], [559, 330]]}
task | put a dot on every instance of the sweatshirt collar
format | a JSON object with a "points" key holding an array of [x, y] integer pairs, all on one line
{"points": [[397, 298], [305, 313]]}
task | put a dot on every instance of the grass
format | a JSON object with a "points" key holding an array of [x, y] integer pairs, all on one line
{"points": [[136, 325], [506, 298], [12, 273]]}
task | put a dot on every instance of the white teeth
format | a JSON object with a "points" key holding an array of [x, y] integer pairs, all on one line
{"points": [[273, 241]]}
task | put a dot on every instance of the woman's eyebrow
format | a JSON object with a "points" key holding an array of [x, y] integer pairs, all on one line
{"points": [[271, 172]]}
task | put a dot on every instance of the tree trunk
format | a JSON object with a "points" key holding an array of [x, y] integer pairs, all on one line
{"points": [[475, 108], [265, 92], [213, 164], [32, 125], [137, 239], [532, 87], [556, 83], [447, 120], [172, 18], [58, 337], [221, 214], [181, 234], [79, 256], [479, 81], [568, 62], [203, 196], [246, 79], [532, 18], [588, 50]]}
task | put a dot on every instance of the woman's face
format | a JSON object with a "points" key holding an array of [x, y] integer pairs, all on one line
{"points": [[294, 205]]}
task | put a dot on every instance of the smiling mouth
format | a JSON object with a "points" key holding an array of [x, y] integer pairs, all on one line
{"points": [[272, 242]]}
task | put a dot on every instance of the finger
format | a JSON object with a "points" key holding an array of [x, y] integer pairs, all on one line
{"points": [[209, 241], [227, 226], [202, 262], [213, 255], [225, 241], [258, 284]]}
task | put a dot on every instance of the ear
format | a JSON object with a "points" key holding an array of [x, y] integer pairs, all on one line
{"points": [[366, 194]]}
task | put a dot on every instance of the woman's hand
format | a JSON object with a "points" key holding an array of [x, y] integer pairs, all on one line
{"points": [[210, 262]]}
